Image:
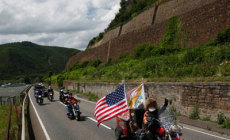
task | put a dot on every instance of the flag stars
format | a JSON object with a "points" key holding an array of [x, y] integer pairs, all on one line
{"points": [[115, 96]]}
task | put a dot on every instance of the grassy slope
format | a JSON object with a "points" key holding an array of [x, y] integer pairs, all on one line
{"points": [[20, 59], [4, 109], [169, 61]]}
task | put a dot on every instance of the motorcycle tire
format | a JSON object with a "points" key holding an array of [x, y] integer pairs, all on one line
{"points": [[40, 101], [72, 117], [78, 116], [50, 98]]}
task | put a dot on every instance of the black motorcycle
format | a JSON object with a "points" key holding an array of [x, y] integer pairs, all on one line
{"points": [[50, 94], [153, 131], [39, 99], [160, 129], [63, 95], [74, 111]]}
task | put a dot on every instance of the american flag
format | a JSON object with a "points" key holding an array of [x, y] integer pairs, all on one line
{"points": [[111, 105]]}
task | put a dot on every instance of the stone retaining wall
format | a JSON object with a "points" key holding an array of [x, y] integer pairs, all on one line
{"points": [[211, 98]]}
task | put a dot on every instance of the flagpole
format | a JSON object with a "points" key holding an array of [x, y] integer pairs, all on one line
{"points": [[123, 82], [142, 82]]}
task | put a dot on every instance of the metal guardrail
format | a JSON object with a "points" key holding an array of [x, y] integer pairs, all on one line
{"points": [[12, 101], [23, 114], [23, 119]]}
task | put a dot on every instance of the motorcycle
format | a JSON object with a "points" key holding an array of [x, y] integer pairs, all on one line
{"points": [[173, 131], [164, 128], [50, 95], [39, 99], [74, 110], [63, 95], [38, 96]]}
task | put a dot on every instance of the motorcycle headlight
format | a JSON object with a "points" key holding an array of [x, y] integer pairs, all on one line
{"points": [[175, 128], [180, 127], [39, 96]]}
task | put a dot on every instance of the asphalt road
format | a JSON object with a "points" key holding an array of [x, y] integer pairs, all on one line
{"points": [[55, 125]]}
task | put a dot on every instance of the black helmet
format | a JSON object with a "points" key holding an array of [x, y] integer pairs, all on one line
{"points": [[70, 94]]}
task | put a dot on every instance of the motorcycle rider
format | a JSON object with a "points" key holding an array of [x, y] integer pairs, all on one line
{"points": [[39, 92], [50, 90], [70, 100], [152, 111], [63, 93]]}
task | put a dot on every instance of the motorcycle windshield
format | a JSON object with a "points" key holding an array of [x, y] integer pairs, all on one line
{"points": [[169, 121], [65, 91], [168, 117]]}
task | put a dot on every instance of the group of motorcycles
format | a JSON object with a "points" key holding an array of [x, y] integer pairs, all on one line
{"points": [[39, 94], [164, 128], [73, 107], [40, 91]]}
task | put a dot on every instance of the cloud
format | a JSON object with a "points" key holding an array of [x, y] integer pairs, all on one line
{"points": [[67, 23]]}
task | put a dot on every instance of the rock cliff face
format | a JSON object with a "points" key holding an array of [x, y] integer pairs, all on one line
{"points": [[201, 20]]}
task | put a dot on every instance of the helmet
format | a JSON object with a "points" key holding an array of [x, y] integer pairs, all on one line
{"points": [[70, 94]]}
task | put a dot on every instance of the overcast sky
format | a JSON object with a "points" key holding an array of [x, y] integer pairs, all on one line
{"points": [[66, 23]]}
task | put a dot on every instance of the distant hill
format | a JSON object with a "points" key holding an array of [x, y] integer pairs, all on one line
{"points": [[25, 59]]}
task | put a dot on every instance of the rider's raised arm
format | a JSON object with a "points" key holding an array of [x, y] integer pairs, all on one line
{"points": [[163, 107]]}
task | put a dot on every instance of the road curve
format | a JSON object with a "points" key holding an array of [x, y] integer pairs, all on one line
{"points": [[59, 127]]}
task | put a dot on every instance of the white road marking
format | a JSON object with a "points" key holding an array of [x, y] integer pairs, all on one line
{"points": [[100, 124], [61, 103], [39, 119], [205, 133], [91, 119]]}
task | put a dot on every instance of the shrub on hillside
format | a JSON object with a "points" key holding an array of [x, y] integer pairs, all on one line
{"points": [[193, 56], [143, 51], [223, 37], [95, 63], [172, 33], [220, 118], [195, 113], [60, 79], [226, 123]]}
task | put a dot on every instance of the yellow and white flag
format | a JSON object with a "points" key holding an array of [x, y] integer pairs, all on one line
{"points": [[136, 97]]}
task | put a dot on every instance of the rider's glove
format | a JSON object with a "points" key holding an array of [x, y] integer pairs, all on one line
{"points": [[166, 102]]}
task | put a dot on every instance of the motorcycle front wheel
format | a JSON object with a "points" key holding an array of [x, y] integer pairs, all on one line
{"points": [[78, 116], [40, 101]]}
